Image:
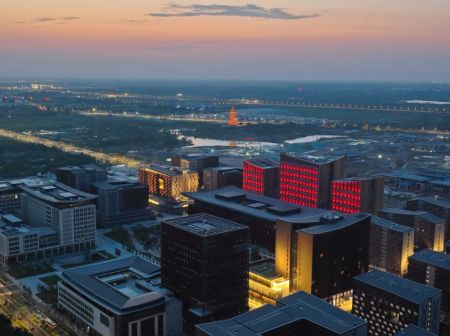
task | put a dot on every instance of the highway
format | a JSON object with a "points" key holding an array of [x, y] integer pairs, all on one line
{"points": [[69, 148]]}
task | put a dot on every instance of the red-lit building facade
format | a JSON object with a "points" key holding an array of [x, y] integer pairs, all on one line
{"points": [[261, 175], [306, 180], [354, 195]]}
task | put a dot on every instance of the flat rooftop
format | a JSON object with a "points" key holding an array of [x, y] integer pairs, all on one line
{"points": [[312, 159], [82, 168], [296, 308], [121, 285], [406, 176], [57, 193], [437, 202], [334, 222], [437, 259], [258, 206], [263, 162], [205, 225], [419, 213], [401, 287], [264, 268], [164, 170], [390, 225], [413, 330]]}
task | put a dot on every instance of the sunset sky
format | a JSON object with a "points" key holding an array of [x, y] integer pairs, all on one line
{"points": [[226, 39]]}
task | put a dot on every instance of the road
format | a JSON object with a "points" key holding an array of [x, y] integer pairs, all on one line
{"points": [[69, 148]]}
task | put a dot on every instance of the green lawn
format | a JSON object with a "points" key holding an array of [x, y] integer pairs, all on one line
{"points": [[19, 271], [51, 280]]}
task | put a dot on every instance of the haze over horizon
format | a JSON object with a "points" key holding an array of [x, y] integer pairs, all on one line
{"points": [[248, 40]]}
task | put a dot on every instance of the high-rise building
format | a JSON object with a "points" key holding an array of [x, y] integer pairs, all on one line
{"points": [[196, 162], [220, 177], [81, 177], [299, 314], [429, 230], [433, 269], [435, 206], [265, 286], [412, 330], [323, 259], [390, 245], [232, 119], [204, 261], [168, 182], [306, 180], [390, 303], [120, 297], [261, 175], [260, 213], [354, 195], [58, 208], [10, 198], [121, 202]]}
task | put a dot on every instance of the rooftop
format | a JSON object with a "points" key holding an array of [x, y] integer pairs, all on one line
{"points": [[57, 193], [419, 213], [412, 330], [264, 268], [311, 159], [334, 222], [437, 259], [406, 176], [436, 202], [165, 170], [259, 206], [205, 224], [390, 225], [84, 167], [296, 308], [121, 285], [404, 288], [263, 162]]}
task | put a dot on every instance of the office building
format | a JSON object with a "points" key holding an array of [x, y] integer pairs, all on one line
{"points": [[412, 330], [232, 118], [260, 213], [10, 198], [11, 193], [261, 175], [204, 261], [220, 177], [429, 230], [306, 180], [196, 162], [323, 259], [295, 315], [434, 206], [390, 303], [390, 245], [20, 243], [168, 182], [70, 212], [80, 177], [56, 220], [433, 269], [354, 195], [121, 297], [265, 286], [121, 202]]}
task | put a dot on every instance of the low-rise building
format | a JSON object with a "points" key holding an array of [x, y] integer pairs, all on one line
{"points": [[220, 177], [297, 314], [265, 286], [120, 297]]}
